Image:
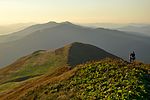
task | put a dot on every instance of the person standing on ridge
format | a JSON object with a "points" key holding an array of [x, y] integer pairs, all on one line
{"points": [[132, 57]]}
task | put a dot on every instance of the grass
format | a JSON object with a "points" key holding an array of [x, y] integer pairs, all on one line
{"points": [[106, 80], [41, 62], [35, 65], [7, 86]]}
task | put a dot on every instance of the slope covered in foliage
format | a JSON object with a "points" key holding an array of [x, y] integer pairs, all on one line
{"points": [[108, 80]]}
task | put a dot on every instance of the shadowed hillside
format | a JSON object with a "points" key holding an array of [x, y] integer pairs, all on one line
{"points": [[81, 53]]}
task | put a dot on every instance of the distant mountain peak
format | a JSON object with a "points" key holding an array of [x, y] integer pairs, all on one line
{"points": [[67, 23], [52, 22]]}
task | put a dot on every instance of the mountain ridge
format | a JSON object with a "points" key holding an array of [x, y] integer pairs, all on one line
{"points": [[116, 42], [42, 61]]}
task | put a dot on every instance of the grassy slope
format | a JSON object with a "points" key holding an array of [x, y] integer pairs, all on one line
{"points": [[28, 67], [42, 62], [108, 79], [33, 83]]}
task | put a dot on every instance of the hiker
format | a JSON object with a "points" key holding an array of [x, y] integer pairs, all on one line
{"points": [[132, 56]]}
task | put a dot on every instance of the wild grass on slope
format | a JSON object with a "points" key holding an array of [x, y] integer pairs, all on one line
{"points": [[107, 80], [34, 66]]}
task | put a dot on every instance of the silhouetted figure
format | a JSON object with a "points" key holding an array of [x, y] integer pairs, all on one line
{"points": [[132, 57]]}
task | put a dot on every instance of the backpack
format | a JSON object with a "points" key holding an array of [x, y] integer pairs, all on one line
{"points": [[132, 55]]}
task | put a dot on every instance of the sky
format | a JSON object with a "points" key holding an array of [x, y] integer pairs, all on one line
{"points": [[77, 11]]}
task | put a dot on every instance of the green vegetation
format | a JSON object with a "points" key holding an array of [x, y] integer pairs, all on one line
{"points": [[41, 62], [32, 69], [6, 86], [106, 80], [37, 64]]}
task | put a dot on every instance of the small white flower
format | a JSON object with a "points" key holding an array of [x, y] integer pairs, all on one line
{"points": [[129, 91]]}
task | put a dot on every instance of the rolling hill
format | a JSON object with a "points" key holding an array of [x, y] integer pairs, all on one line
{"points": [[52, 37], [45, 62]]}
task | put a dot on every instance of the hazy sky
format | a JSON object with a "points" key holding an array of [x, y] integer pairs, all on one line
{"points": [[78, 11]]}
